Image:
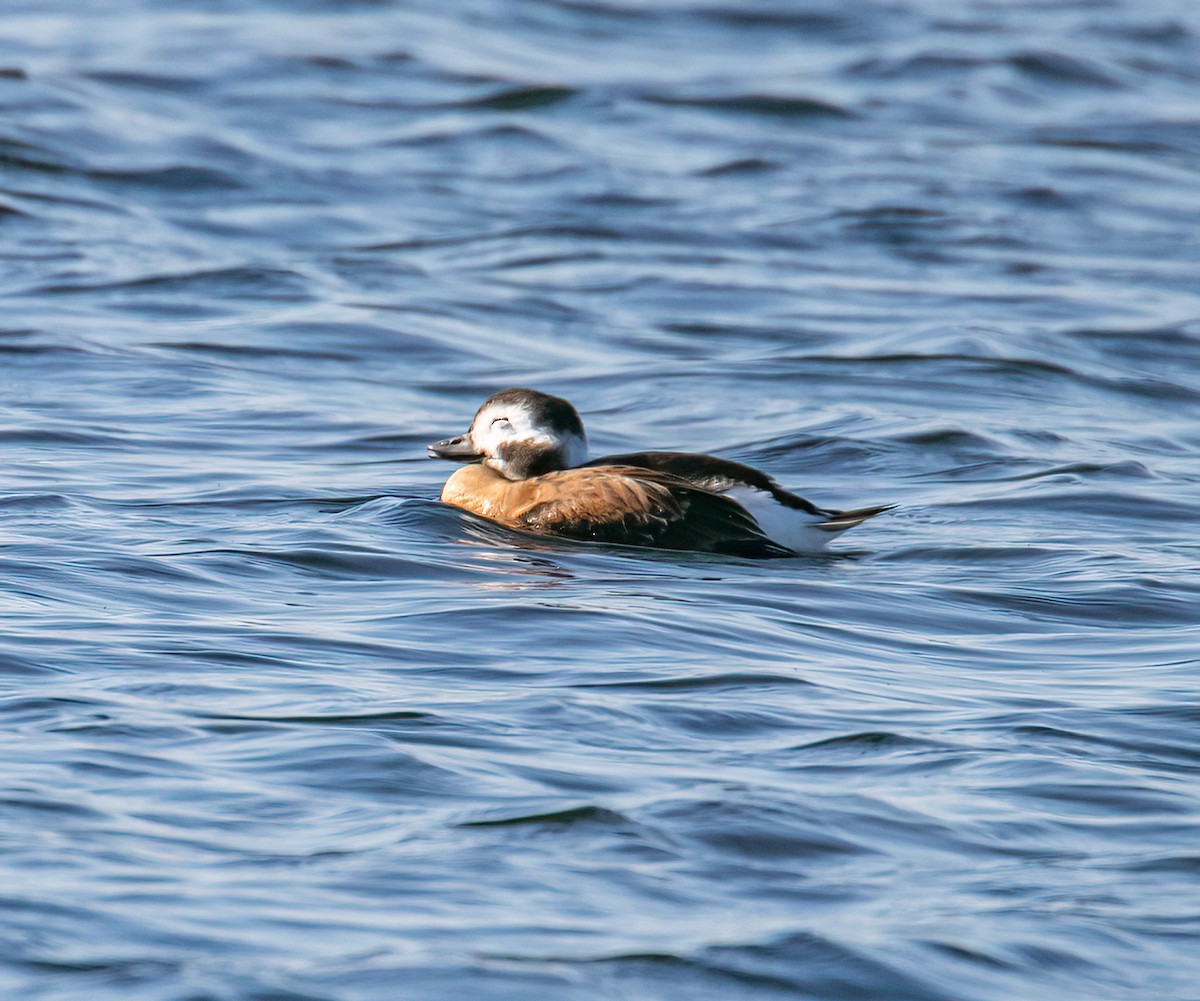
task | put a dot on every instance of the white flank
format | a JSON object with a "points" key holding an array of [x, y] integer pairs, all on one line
{"points": [[786, 526]]}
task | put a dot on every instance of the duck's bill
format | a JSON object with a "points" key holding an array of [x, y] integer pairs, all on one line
{"points": [[458, 448]]}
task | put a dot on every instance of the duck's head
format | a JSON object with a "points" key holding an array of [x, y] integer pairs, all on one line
{"points": [[520, 433]]}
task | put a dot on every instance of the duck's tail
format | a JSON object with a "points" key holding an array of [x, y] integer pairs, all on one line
{"points": [[839, 521]]}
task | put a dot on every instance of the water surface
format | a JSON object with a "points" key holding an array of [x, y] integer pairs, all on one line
{"points": [[276, 726]]}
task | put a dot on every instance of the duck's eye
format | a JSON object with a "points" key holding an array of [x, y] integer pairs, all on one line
{"points": [[501, 422]]}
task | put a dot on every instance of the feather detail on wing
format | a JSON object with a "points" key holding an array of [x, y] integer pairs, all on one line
{"points": [[710, 473], [635, 506], [723, 476]]}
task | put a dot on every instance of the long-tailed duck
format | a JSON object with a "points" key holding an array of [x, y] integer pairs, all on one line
{"points": [[529, 470]]}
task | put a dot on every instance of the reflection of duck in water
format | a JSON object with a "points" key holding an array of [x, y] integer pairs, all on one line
{"points": [[529, 470]]}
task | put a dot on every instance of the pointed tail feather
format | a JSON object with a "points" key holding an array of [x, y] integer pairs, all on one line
{"points": [[839, 521]]}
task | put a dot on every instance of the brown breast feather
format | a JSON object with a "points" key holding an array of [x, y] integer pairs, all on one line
{"points": [[622, 505]]}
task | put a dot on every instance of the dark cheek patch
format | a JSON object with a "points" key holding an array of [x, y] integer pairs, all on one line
{"points": [[522, 460]]}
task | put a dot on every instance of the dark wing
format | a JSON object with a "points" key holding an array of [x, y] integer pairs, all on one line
{"points": [[709, 473], [626, 505]]}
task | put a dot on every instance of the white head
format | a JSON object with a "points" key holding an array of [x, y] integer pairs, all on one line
{"points": [[520, 433]]}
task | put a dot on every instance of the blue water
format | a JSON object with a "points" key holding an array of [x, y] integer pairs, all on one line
{"points": [[277, 726]]}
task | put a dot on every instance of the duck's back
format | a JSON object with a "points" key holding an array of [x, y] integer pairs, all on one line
{"points": [[618, 504], [787, 519], [710, 473]]}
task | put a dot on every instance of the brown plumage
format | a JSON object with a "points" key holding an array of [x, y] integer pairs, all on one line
{"points": [[624, 505], [528, 470]]}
